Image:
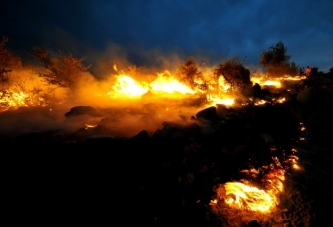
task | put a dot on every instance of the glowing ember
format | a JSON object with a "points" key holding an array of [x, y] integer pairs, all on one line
{"points": [[296, 167], [260, 102], [281, 100], [242, 196], [88, 126], [213, 202]]}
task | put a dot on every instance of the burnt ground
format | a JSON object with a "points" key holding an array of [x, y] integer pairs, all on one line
{"points": [[166, 178]]}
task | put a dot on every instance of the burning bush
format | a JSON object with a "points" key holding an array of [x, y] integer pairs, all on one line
{"points": [[234, 74], [192, 76], [19, 84]]}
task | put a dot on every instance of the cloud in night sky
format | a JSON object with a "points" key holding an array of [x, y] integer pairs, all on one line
{"points": [[138, 30]]}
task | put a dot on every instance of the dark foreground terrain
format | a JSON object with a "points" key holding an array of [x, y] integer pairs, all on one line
{"points": [[167, 178]]}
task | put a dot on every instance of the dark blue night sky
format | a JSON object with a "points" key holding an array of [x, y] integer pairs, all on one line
{"points": [[215, 30]]}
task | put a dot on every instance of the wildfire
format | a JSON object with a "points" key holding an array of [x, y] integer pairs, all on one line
{"points": [[262, 81], [224, 86], [277, 82], [13, 99], [169, 85], [281, 100], [260, 102], [127, 87], [272, 83], [242, 196], [298, 77], [215, 99], [10, 99]]}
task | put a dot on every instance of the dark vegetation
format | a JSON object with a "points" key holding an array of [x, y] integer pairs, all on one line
{"points": [[276, 60], [8, 61]]}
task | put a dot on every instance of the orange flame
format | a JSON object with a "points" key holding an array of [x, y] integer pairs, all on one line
{"points": [[19, 99], [127, 87], [169, 85], [242, 196], [215, 99]]}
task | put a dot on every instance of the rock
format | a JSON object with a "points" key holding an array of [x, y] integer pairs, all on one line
{"points": [[208, 129], [222, 110], [168, 130], [267, 138], [83, 133], [100, 139], [208, 114], [31, 137], [141, 137], [256, 89], [82, 110], [254, 223]]}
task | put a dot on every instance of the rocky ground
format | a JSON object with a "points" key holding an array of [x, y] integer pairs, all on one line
{"points": [[164, 177]]}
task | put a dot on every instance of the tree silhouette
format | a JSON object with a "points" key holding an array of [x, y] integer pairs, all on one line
{"points": [[65, 71], [277, 61], [314, 71], [8, 61]]}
